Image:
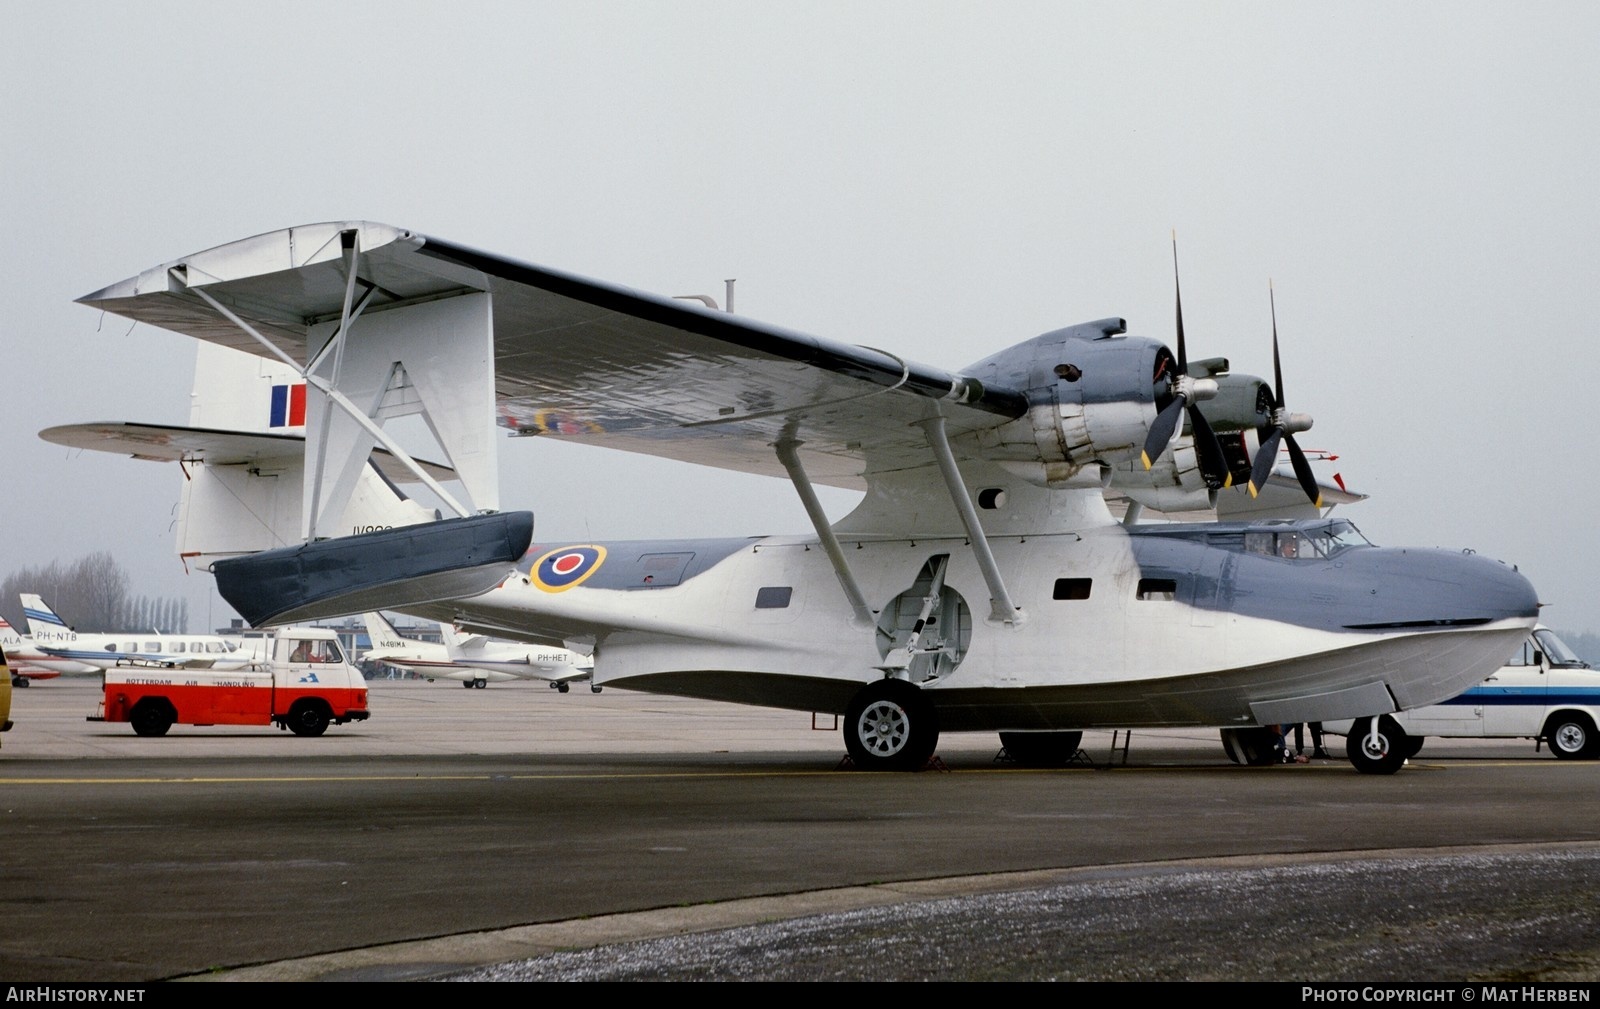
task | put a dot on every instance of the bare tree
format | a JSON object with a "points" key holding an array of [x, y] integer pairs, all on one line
{"points": [[90, 594]]}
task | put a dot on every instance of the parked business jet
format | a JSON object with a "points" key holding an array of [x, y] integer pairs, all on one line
{"points": [[60, 643], [475, 659]]}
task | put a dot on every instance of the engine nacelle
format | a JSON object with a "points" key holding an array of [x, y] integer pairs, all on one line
{"points": [[1093, 394]]}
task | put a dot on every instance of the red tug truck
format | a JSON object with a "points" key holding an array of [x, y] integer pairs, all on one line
{"points": [[307, 685]]}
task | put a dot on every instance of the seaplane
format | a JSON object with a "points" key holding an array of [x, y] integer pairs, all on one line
{"points": [[982, 584]]}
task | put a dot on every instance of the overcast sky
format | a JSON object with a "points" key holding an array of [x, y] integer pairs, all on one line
{"points": [[938, 179]]}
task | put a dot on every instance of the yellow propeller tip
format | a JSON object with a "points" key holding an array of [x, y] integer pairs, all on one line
{"points": [[1146, 457], [1253, 491]]}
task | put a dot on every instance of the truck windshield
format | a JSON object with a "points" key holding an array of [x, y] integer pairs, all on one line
{"points": [[1557, 651]]}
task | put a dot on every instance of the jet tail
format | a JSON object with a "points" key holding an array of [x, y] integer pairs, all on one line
{"points": [[43, 624]]}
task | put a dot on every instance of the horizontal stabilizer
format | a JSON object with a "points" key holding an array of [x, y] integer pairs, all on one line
{"points": [[166, 443], [390, 569]]}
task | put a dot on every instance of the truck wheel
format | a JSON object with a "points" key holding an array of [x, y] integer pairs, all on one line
{"points": [[152, 716], [1386, 756], [1571, 736], [308, 718]]}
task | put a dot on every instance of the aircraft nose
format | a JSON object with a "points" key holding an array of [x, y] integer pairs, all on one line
{"points": [[1447, 588]]}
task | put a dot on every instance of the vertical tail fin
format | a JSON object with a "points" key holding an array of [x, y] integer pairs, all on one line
{"points": [[246, 494], [382, 632], [43, 623]]}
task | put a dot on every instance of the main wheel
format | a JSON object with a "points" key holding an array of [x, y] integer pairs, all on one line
{"points": [[1571, 736], [469, 684], [152, 716], [1386, 755], [308, 718], [1041, 749], [21, 681], [890, 726]]}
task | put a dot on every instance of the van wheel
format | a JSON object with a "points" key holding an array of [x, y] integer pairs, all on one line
{"points": [[1571, 736], [308, 718], [152, 716], [1386, 755]]}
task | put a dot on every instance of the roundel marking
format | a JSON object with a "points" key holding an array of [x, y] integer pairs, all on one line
{"points": [[564, 567]]}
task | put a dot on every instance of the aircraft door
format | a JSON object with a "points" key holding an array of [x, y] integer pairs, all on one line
{"points": [[924, 632]]}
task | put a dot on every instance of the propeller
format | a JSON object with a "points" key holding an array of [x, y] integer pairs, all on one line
{"points": [[1186, 392], [1282, 428]]}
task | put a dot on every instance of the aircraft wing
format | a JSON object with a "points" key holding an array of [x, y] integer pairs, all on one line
{"points": [[582, 359]]}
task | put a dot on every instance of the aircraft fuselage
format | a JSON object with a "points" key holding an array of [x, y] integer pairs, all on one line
{"points": [[1149, 626]]}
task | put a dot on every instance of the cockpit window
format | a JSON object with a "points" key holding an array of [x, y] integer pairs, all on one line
{"points": [[1304, 544]]}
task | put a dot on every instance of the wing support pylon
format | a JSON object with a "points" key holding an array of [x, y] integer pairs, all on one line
{"points": [[789, 456], [1001, 608]]}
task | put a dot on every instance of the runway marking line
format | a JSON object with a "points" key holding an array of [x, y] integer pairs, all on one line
{"points": [[830, 772]]}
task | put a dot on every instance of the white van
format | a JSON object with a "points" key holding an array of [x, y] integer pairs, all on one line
{"points": [[1545, 693]]}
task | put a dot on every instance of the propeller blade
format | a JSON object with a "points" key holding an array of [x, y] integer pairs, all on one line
{"points": [[1177, 297], [1277, 366], [1166, 423], [1264, 459], [1213, 464], [1302, 470]]}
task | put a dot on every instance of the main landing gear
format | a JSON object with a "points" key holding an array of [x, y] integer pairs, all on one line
{"points": [[890, 726]]}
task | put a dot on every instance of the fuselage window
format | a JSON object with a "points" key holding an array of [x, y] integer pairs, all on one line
{"points": [[1162, 589], [1072, 588], [773, 597]]}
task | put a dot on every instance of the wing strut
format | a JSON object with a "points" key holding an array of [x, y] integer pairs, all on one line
{"points": [[1001, 608], [334, 396], [789, 456]]}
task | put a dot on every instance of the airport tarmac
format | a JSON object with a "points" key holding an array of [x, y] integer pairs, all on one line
{"points": [[464, 830]]}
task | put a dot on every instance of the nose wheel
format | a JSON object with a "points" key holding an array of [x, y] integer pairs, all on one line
{"points": [[1381, 752]]}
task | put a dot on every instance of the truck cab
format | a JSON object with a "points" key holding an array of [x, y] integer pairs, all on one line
{"points": [[1544, 693], [306, 685]]}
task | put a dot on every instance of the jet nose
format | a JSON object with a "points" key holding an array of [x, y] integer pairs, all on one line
{"points": [[1446, 588]]}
